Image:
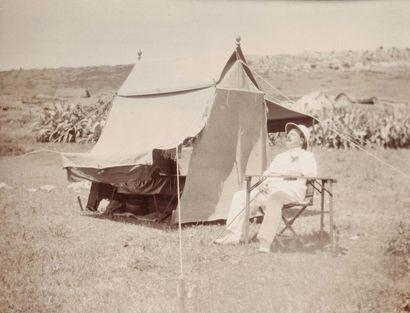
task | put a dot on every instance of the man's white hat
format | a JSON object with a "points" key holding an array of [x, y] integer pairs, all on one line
{"points": [[302, 128]]}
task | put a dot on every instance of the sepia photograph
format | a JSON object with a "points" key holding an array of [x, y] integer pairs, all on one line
{"points": [[205, 156]]}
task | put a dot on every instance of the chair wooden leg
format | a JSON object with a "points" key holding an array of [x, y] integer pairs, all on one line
{"points": [[322, 208], [247, 209], [292, 230], [289, 223], [286, 225]]}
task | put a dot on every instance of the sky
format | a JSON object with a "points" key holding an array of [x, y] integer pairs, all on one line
{"points": [[56, 33]]}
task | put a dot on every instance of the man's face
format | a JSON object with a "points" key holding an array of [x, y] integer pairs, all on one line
{"points": [[293, 139]]}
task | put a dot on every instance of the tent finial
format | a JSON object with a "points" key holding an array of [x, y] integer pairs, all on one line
{"points": [[139, 54], [238, 40]]}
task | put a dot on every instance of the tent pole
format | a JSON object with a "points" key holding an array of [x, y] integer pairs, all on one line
{"points": [[264, 139], [180, 283]]}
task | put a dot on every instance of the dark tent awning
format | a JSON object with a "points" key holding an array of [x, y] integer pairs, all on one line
{"points": [[278, 115]]}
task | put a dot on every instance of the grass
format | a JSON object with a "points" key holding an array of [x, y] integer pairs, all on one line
{"points": [[55, 259]]}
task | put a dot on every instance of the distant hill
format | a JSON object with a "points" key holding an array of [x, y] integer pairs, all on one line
{"points": [[379, 60], [96, 79], [99, 79]]}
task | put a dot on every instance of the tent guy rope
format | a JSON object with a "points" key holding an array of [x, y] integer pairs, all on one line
{"points": [[367, 152], [334, 130], [265, 81]]}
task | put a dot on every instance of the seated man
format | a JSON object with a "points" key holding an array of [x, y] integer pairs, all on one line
{"points": [[274, 192]]}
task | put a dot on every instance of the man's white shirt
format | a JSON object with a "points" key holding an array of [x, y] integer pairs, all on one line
{"points": [[292, 162]]}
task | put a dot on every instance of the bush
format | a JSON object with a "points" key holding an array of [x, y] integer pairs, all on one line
{"points": [[9, 148], [363, 127], [400, 245], [72, 122], [399, 251]]}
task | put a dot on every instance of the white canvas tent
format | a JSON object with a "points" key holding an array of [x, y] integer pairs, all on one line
{"points": [[225, 110]]}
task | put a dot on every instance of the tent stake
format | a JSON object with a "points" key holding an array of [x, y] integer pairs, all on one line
{"points": [[181, 294], [79, 202]]}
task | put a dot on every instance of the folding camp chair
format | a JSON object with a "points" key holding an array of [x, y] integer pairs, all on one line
{"points": [[291, 212]]}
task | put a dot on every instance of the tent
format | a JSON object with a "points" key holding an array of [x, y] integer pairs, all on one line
{"points": [[159, 106]]}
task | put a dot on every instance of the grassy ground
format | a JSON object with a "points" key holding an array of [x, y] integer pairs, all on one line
{"points": [[56, 259]]}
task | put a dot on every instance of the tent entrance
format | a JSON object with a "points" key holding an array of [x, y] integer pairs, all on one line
{"points": [[155, 196], [121, 200]]}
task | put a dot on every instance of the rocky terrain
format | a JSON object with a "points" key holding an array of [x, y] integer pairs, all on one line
{"points": [[379, 60], [45, 82]]}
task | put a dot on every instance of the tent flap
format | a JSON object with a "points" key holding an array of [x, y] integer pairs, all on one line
{"points": [[137, 125], [153, 77], [232, 143], [278, 116]]}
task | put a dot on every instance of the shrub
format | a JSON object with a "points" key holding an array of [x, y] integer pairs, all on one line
{"points": [[400, 245], [72, 122], [399, 251], [363, 127]]}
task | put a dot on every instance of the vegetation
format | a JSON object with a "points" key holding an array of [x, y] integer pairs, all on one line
{"points": [[399, 251], [371, 128], [340, 128], [73, 123]]}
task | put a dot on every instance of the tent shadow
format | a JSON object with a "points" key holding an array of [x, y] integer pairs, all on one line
{"points": [[157, 224], [291, 212], [307, 243], [131, 220]]}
